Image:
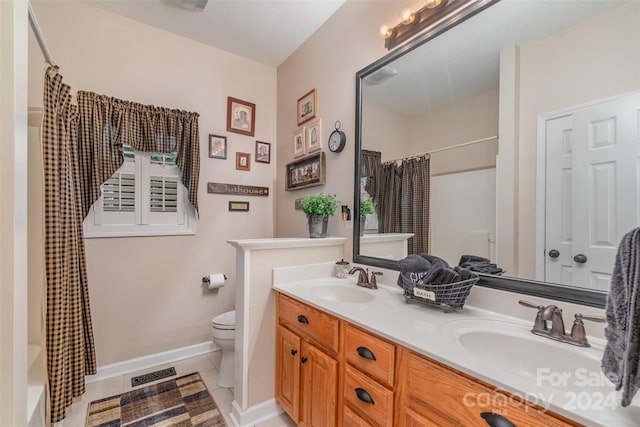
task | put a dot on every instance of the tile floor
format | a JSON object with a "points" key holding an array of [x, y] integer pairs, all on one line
{"points": [[207, 365]]}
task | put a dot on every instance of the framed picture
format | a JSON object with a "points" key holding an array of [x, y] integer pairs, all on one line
{"points": [[243, 161], [217, 146], [263, 152], [307, 107], [298, 142], [314, 135], [306, 172], [241, 116], [235, 206]]}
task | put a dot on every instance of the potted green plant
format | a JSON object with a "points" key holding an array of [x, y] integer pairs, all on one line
{"points": [[366, 208], [318, 207]]}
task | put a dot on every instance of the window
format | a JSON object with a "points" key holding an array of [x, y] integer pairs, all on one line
{"points": [[145, 197]]}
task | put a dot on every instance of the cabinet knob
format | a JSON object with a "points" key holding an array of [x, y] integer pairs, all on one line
{"points": [[303, 319], [365, 353], [554, 253], [364, 396], [303, 360], [294, 352], [496, 420]]}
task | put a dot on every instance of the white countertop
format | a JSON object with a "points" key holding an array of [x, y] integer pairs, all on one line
{"points": [[432, 333]]}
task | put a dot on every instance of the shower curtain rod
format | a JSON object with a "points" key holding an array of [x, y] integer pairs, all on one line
{"points": [[36, 31], [464, 144]]}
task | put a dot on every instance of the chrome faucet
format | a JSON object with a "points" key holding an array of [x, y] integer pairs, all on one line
{"points": [[363, 279], [553, 314]]}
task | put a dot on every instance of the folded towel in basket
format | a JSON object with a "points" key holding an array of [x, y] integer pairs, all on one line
{"points": [[416, 267]]}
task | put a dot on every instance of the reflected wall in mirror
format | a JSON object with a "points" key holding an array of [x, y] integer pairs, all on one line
{"points": [[527, 114]]}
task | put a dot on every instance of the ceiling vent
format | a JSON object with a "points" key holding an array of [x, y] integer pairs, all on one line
{"points": [[198, 5], [380, 76]]}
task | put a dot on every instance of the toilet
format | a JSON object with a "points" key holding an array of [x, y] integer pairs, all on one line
{"points": [[224, 336]]}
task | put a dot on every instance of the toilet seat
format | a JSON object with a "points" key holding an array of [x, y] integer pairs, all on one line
{"points": [[225, 321]]}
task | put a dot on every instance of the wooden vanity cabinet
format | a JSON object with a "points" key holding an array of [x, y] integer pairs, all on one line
{"points": [[332, 373], [306, 365], [435, 394]]}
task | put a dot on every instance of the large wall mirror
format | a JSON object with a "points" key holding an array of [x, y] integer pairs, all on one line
{"points": [[510, 135]]}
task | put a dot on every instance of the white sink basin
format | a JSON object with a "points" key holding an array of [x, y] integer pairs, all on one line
{"points": [[512, 348], [343, 293]]}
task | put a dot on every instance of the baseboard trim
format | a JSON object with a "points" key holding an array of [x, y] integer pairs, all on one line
{"points": [[255, 414], [151, 360]]}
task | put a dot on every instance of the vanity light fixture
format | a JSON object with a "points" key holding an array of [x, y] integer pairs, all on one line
{"points": [[429, 13]]}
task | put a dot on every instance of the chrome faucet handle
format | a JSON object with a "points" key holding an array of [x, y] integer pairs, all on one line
{"points": [[597, 319], [539, 324], [578, 333], [373, 282]]}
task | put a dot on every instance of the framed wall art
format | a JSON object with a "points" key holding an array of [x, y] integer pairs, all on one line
{"points": [[307, 107], [263, 152], [243, 161], [306, 172], [298, 142], [235, 206], [241, 116], [217, 146], [314, 135]]}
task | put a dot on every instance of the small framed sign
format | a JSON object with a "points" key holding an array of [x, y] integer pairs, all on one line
{"points": [[236, 206]]}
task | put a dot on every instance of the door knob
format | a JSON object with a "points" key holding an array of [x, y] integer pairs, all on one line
{"points": [[554, 253], [580, 258]]}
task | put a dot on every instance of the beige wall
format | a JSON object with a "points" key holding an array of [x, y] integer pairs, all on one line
{"points": [[328, 61], [595, 59], [146, 293], [386, 131]]}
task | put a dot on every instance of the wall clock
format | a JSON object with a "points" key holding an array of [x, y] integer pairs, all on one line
{"points": [[337, 139]]}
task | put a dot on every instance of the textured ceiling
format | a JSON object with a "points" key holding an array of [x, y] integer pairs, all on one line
{"points": [[266, 31]]}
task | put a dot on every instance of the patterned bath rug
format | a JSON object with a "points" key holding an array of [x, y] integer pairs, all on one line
{"points": [[183, 401]]}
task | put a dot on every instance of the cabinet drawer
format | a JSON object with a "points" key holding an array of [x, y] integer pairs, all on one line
{"points": [[368, 397], [351, 419], [447, 397], [308, 322], [370, 354]]}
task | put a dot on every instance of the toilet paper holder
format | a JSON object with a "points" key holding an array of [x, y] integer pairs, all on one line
{"points": [[205, 279]]}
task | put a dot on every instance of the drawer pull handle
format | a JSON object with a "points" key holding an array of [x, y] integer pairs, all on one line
{"points": [[364, 396], [294, 352], [303, 360], [365, 353], [303, 319], [496, 420]]}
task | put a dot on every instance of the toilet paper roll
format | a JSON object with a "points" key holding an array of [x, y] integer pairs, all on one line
{"points": [[216, 280]]}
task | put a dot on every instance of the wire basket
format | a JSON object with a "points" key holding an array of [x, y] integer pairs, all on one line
{"points": [[448, 297]]}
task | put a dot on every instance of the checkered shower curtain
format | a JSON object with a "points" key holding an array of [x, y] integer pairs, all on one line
{"points": [[69, 333], [404, 200], [82, 148]]}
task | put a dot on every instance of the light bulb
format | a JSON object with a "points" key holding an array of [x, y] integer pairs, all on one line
{"points": [[433, 3], [384, 30], [407, 16]]}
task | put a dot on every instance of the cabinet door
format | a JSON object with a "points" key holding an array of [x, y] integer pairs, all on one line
{"points": [[288, 372], [320, 387], [413, 419]]}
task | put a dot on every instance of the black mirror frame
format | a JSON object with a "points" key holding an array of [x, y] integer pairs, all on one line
{"points": [[571, 294]]}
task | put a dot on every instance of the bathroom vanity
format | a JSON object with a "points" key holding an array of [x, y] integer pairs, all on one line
{"points": [[382, 383], [351, 356]]}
